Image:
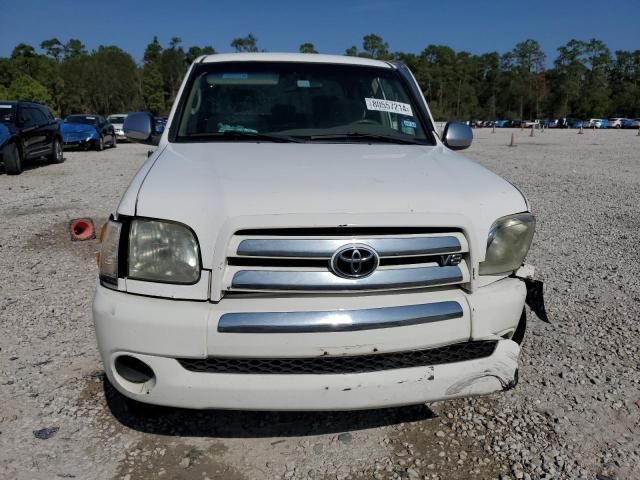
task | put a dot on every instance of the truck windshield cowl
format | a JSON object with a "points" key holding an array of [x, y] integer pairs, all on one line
{"points": [[309, 102]]}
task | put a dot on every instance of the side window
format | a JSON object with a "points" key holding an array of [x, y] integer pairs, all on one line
{"points": [[37, 116], [27, 118], [46, 114]]}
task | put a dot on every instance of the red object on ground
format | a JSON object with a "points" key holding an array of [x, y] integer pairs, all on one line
{"points": [[82, 229]]}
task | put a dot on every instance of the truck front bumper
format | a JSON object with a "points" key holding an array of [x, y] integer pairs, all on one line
{"points": [[175, 386], [162, 333]]}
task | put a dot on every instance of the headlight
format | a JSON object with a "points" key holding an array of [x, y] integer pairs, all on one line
{"points": [[108, 257], [508, 243], [163, 252]]}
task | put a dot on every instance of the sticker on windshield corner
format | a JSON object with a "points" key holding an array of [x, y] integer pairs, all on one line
{"points": [[389, 106], [409, 124]]}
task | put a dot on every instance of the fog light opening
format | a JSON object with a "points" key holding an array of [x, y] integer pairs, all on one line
{"points": [[133, 370]]}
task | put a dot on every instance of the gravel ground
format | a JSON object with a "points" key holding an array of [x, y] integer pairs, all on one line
{"points": [[575, 413]]}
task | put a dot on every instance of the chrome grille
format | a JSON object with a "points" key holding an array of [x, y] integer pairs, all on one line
{"points": [[283, 261]]}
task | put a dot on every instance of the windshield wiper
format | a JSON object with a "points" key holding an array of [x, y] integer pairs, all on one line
{"points": [[248, 135], [366, 136]]}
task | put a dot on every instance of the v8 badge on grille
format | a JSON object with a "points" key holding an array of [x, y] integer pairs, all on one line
{"points": [[354, 261]]}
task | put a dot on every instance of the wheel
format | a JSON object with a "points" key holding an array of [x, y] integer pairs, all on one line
{"points": [[518, 335], [56, 155], [12, 159], [100, 144], [114, 142]]}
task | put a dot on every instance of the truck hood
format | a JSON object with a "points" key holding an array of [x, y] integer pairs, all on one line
{"points": [[222, 187]]}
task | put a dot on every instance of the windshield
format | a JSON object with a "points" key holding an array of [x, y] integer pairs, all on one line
{"points": [[301, 101], [118, 119], [6, 112], [88, 119]]}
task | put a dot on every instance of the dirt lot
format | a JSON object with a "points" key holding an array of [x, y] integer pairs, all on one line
{"points": [[575, 413]]}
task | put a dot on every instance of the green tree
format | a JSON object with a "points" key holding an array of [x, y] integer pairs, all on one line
{"points": [[624, 80], [74, 48], [172, 67], [351, 51], [114, 86], [25, 87], [53, 48], [25, 58], [245, 44], [526, 62], [152, 81], [307, 48], [596, 92], [195, 52], [374, 46], [568, 76]]}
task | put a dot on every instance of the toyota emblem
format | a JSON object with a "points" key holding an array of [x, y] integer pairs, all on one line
{"points": [[354, 261]]}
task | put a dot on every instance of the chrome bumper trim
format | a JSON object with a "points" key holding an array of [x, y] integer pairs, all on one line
{"points": [[324, 248], [282, 280], [339, 320]]}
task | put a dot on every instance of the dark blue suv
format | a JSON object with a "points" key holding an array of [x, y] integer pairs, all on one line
{"points": [[27, 131]]}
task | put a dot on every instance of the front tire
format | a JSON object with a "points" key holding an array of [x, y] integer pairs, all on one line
{"points": [[114, 142], [56, 155], [100, 144], [12, 159]]}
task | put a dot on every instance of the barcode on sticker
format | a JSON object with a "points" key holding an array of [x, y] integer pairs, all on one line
{"points": [[388, 106]]}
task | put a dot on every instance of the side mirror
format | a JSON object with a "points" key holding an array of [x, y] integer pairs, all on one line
{"points": [[139, 127], [457, 136]]}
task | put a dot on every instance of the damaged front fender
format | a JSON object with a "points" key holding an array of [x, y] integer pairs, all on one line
{"points": [[535, 292]]}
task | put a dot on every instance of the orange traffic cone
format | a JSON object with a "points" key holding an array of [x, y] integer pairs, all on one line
{"points": [[494, 129], [513, 140], [581, 132], [531, 134], [638, 135]]}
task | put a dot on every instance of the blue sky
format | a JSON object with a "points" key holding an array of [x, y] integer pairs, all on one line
{"points": [[475, 26]]}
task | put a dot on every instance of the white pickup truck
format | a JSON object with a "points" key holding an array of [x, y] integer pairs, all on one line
{"points": [[303, 239]]}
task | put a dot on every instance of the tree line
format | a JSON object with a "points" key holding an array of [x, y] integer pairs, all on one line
{"points": [[585, 80]]}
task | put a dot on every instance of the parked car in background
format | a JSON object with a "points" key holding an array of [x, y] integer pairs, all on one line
{"points": [[570, 122], [553, 123], [615, 122], [501, 123], [631, 123], [27, 131], [117, 120], [88, 132], [598, 123], [159, 124]]}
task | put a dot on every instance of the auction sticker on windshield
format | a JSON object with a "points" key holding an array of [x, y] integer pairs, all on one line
{"points": [[388, 106]]}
